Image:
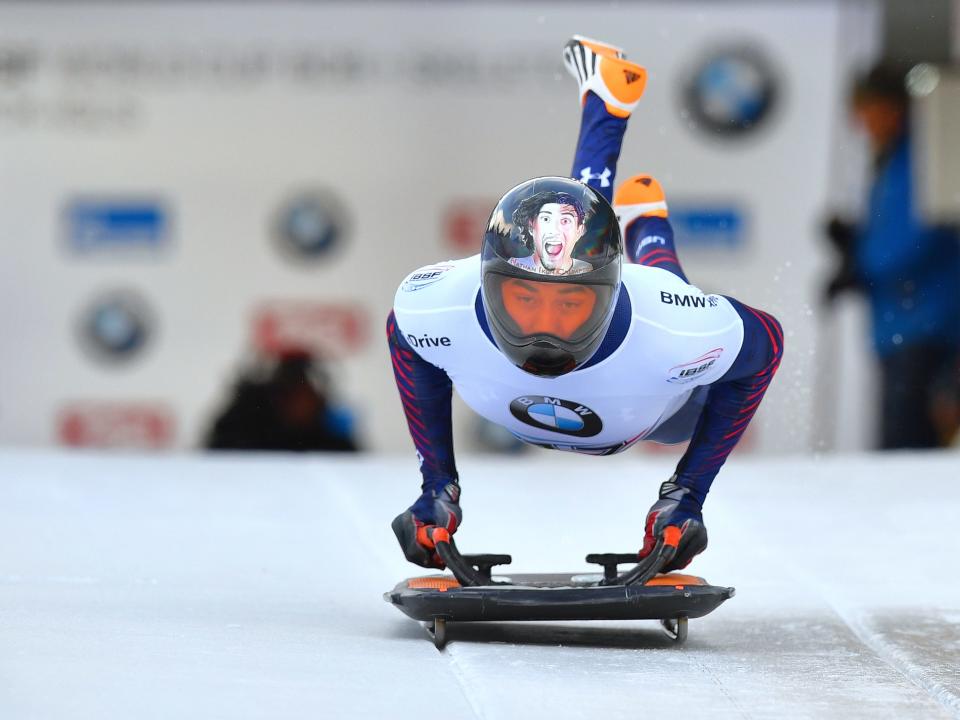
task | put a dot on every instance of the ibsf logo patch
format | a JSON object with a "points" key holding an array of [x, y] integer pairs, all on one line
{"points": [[687, 372], [556, 415], [424, 277]]}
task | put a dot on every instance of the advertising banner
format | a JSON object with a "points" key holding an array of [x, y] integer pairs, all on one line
{"points": [[185, 184]]}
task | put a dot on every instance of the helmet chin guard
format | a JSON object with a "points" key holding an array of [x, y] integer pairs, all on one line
{"points": [[550, 274]]}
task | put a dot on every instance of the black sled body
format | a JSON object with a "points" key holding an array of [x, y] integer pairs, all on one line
{"points": [[474, 594]]}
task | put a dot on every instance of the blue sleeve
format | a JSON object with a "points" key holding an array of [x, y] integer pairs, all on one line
{"points": [[426, 393], [598, 147], [649, 241], [732, 401]]}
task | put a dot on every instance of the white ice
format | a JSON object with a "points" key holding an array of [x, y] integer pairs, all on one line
{"points": [[250, 587]]}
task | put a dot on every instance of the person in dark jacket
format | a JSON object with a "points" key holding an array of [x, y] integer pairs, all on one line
{"points": [[910, 273], [283, 405]]}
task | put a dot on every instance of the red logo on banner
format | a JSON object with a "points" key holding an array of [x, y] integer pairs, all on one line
{"points": [[116, 425], [464, 223], [328, 330]]}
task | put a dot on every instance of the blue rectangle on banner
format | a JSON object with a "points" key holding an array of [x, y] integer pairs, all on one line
{"points": [[117, 224], [707, 226]]}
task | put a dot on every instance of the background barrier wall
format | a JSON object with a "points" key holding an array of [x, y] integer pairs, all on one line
{"points": [[183, 184]]}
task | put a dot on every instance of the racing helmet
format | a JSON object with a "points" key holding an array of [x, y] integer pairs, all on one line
{"points": [[550, 274]]}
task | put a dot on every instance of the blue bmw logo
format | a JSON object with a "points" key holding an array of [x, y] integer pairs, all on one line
{"points": [[561, 416], [731, 91], [556, 416], [116, 326], [310, 225]]}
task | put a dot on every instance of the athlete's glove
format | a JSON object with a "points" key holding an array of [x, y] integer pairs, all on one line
{"points": [[677, 507], [434, 508]]}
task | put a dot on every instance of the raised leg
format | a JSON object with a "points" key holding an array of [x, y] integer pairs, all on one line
{"points": [[609, 88]]}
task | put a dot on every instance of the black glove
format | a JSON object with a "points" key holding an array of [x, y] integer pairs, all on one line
{"points": [[679, 508], [432, 509], [844, 279], [841, 233], [842, 236]]}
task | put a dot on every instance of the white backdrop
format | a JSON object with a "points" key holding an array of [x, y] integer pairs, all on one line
{"points": [[401, 110]]}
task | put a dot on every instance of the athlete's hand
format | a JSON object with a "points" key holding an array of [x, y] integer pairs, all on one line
{"points": [[841, 233], [676, 507], [843, 236], [432, 509]]}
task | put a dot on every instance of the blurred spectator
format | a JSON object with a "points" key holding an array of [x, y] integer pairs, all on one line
{"points": [[283, 404], [910, 273]]}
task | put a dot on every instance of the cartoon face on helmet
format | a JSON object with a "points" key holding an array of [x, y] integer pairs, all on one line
{"points": [[552, 222], [550, 274]]}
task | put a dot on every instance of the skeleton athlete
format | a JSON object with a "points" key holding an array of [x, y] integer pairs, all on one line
{"points": [[550, 334]]}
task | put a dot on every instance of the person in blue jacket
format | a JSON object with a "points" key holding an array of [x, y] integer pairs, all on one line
{"points": [[909, 271]]}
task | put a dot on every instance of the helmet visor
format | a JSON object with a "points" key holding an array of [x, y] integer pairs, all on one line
{"points": [[543, 308], [530, 310]]}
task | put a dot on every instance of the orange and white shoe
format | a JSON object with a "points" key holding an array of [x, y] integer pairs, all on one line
{"points": [[602, 69], [596, 46], [639, 196]]}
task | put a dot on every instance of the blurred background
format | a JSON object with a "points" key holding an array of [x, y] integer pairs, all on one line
{"points": [[206, 208]]}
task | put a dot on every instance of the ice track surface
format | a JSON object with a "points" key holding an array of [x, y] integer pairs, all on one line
{"points": [[250, 587]]}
